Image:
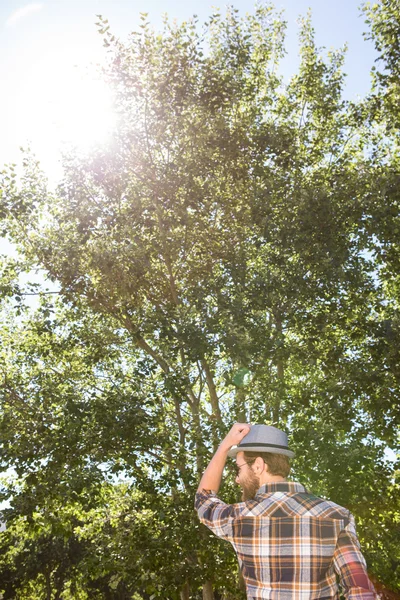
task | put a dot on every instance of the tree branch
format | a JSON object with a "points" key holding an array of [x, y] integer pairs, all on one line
{"points": [[212, 390]]}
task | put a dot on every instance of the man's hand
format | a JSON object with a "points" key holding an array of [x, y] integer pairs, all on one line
{"points": [[236, 434]]}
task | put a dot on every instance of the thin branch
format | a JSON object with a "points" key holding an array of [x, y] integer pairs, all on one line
{"points": [[167, 258], [212, 390], [302, 113], [349, 137], [38, 293], [158, 457], [201, 386]]}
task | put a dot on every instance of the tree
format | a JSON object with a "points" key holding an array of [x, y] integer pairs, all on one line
{"points": [[230, 225]]}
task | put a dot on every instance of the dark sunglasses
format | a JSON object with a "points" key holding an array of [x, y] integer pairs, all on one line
{"points": [[238, 467]]}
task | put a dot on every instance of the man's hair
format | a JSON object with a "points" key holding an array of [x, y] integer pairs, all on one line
{"points": [[278, 464]]}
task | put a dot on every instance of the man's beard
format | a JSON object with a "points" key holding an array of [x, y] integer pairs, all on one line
{"points": [[250, 486]]}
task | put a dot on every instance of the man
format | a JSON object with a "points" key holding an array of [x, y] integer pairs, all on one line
{"points": [[291, 545]]}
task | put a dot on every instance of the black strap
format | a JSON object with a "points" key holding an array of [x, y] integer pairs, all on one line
{"points": [[264, 445]]}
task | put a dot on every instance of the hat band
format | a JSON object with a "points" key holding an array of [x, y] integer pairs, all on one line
{"points": [[261, 444]]}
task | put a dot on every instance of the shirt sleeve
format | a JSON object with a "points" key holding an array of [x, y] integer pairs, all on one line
{"points": [[215, 514], [350, 565]]}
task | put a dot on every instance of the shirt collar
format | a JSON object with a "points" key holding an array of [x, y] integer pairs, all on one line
{"points": [[281, 486]]}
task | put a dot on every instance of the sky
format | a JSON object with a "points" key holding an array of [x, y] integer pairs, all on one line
{"points": [[50, 95]]}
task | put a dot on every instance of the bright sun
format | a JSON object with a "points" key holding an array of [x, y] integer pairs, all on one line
{"points": [[64, 105], [81, 110]]}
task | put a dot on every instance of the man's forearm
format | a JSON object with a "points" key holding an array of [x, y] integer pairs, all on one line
{"points": [[212, 476]]}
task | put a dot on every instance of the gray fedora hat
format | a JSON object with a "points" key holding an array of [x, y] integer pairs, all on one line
{"points": [[263, 438]]}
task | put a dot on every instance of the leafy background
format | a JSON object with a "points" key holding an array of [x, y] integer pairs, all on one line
{"points": [[232, 222]]}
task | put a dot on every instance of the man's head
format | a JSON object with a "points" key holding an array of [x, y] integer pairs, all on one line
{"points": [[262, 457], [255, 469]]}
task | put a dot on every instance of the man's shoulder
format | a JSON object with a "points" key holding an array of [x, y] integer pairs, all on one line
{"points": [[292, 499], [320, 507]]}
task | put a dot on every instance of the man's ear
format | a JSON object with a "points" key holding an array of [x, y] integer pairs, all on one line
{"points": [[260, 465]]}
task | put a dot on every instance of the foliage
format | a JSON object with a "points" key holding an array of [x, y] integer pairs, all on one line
{"points": [[232, 224]]}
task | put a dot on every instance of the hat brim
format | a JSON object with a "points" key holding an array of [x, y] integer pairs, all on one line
{"points": [[233, 451]]}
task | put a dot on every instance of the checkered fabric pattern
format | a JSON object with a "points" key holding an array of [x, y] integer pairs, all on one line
{"points": [[291, 545]]}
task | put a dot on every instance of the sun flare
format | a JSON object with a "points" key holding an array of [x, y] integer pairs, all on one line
{"points": [[63, 105], [81, 111]]}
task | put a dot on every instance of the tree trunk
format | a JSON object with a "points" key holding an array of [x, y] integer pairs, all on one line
{"points": [[281, 388], [240, 405], [198, 438], [216, 412], [184, 594], [208, 592], [280, 373], [48, 585], [212, 391]]}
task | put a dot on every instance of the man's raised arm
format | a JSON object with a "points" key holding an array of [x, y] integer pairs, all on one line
{"points": [[212, 476]]}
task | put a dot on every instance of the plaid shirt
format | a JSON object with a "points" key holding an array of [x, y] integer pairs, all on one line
{"points": [[291, 545]]}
